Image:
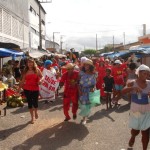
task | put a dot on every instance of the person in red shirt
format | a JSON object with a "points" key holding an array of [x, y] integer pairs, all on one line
{"points": [[70, 81], [118, 74], [55, 63], [107, 64], [96, 64], [101, 75], [31, 79]]}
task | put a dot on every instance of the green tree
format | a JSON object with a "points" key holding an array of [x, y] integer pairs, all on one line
{"points": [[89, 52], [108, 49]]}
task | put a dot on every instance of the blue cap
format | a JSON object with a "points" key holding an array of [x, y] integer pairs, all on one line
{"points": [[47, 62]]}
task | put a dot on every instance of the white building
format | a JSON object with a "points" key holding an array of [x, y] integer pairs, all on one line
{"points": [[19, 23], [14, 22], [34, 6]]}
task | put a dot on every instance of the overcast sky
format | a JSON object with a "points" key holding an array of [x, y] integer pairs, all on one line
{"points": [[78, 21]]}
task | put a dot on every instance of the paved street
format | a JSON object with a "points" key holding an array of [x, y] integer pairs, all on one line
{"points": [[105, 130]]}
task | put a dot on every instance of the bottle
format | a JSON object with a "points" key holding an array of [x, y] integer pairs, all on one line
{"points": [[139, 95]]}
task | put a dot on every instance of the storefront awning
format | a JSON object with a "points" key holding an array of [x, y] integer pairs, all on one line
{"points": [[36, 54], [9, 52]]}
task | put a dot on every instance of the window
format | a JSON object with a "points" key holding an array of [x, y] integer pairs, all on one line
{"points": [[32, 10]]}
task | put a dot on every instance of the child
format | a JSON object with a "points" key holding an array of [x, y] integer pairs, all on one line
{"points": [[108, 87]]}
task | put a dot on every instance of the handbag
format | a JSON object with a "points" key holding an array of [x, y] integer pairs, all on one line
{"points": [[94, 97]]}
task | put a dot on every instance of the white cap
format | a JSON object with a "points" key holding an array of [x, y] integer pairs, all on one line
{"points": [[83, 59], [142, 67], [118, 62]]}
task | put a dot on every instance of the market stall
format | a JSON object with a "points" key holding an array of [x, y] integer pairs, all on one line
{"points": [[4, 52], [4, 89]]}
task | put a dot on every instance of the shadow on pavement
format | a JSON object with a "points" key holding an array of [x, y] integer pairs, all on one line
{"points": [[55, 137], [101, 114], [7, 132], [123, 108], [105, 113], [42, 106]]}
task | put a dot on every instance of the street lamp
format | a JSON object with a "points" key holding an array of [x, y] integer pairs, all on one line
{"points": [[61, 42], [54, 39], [46, 33]]}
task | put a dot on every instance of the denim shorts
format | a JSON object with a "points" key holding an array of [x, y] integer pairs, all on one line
{"points": [[118, 87]]}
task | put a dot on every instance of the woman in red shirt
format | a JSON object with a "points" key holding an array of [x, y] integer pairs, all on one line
{"points": [[31, 79]]}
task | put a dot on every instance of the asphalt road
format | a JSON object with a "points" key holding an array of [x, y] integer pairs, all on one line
{"points": [[105, 130]]}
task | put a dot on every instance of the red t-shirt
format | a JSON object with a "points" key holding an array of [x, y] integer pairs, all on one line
{"points": [[31, 82], [118, 75], [101, 72], [108, 66], [63, 70], [54, 64], [69, 80]]}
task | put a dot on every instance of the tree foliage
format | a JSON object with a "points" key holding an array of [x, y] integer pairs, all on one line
{"points": [[108, 49], [89, 52]]}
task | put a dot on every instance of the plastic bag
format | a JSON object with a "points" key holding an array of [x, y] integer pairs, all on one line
{"points": [[94, 97]]}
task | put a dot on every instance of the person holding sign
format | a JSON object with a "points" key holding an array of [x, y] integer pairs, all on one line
{"points": [[31, 79], [50, 82], [70, 81]]}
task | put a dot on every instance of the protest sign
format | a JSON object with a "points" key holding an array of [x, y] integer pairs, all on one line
{"points": [[49, 85]]}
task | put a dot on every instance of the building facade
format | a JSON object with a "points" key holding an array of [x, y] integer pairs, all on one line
{"points": [[52, 46], [19, 23], [144, 40], [14, 22], [35, 9]]}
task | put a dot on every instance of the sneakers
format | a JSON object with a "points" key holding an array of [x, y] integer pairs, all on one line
{"points": [[84, 122]]}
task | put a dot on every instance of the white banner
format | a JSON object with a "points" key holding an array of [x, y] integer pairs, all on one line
{"points": [[49, 85]]}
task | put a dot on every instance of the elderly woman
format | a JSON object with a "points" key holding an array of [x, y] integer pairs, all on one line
{"points": [[140, 106], [87, 84]]}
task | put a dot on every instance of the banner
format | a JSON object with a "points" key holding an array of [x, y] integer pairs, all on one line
{"points": [[49, 85]]}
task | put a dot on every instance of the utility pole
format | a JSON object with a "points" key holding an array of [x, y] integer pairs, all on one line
{"points": [[96, 42], [113, 44], [144, 29], [124, 39], [40, 32], [54, 39], [61, 43]]}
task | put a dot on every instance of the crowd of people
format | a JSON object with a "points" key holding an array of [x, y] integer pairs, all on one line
{"points": [[113, 78]]}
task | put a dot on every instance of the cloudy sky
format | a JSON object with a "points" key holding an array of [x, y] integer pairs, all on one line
{"points": [[78, 21]]}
